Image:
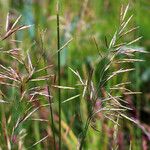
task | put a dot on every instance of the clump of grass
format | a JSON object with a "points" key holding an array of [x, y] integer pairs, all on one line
{"points": [[32, 83], [107, 101]]}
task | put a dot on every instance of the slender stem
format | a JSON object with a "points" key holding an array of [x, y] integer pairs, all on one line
{"points": [[59, 92], [51, 112], [49, 93], [52, 119], [84, 133]]}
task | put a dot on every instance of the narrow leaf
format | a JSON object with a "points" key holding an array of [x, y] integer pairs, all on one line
{"points": [[71, 98]]}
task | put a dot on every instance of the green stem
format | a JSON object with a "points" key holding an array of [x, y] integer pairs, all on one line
{"points": [[49, 98], [50, 106], [84, 133], [59, 92], [52, 119]]}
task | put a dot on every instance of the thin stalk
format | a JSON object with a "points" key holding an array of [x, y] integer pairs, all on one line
{"points": [[51, 111], [59, 80], [49, 93], [52, 119], [84, 133], [50, 108]]}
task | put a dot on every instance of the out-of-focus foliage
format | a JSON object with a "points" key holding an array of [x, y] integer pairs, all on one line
{"points": [[85, 21]]}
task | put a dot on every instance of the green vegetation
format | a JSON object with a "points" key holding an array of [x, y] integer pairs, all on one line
{"points": [[74, 75]]}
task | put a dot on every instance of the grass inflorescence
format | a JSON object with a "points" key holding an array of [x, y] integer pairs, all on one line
{"points": [[79, 101]]}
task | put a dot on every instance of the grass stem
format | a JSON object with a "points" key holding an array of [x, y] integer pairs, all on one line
{"points": [[59, 80], [84, 134], [49, 93], [52, 119]]}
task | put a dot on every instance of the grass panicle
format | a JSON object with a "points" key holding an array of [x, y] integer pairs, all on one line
{"points": [[60, 92]]}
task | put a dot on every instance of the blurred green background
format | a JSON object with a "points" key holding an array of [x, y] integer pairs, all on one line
{"points": [[82, 20]]}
